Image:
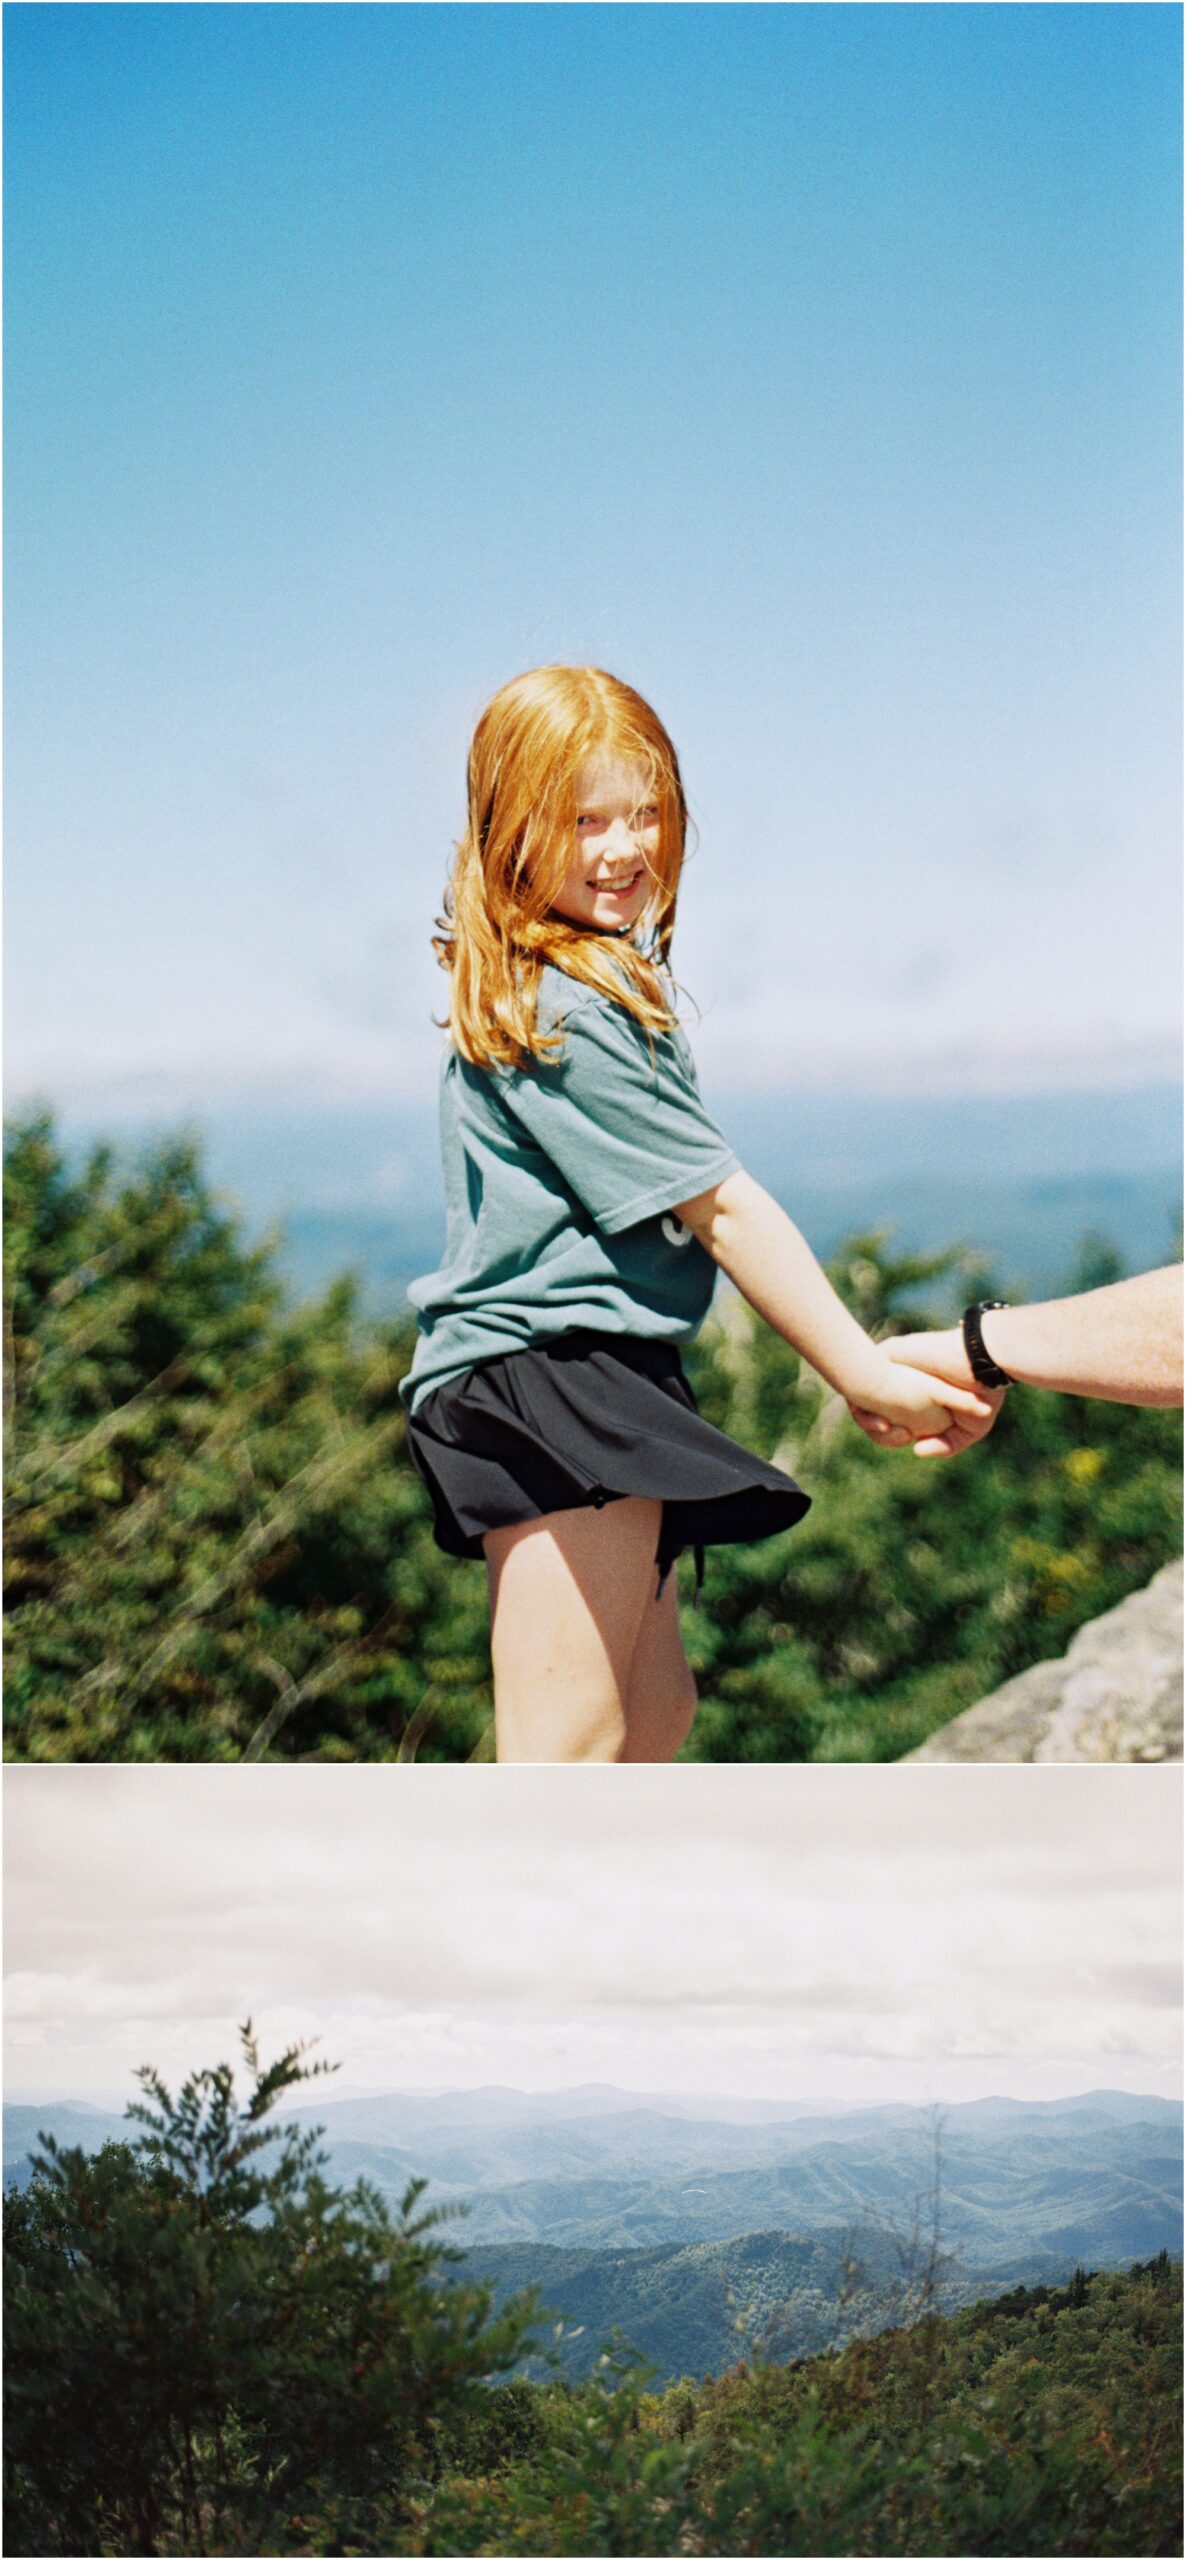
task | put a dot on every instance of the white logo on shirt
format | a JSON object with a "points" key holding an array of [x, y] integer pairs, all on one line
{"points": [[675, 1231]]}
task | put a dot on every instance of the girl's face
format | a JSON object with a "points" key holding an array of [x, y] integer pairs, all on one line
{"points": [[611, 872]]}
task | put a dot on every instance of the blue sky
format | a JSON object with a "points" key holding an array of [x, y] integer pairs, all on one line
{"points": [[815, 367]]}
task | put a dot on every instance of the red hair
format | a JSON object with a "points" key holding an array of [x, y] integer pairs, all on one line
{"points": [[498, 931]]}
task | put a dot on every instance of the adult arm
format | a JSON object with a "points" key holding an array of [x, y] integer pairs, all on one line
{"points": [[1122, 1344], [772, 1264]]}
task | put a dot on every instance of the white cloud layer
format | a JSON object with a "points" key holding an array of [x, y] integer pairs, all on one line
{"points": [[797, 1931]]}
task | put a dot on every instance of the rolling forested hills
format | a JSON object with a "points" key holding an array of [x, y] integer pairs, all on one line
{"points": [[1097, 2177], [695, 2307]]}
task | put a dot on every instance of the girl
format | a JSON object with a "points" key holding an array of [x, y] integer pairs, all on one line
{"points": [[590, 1200]]}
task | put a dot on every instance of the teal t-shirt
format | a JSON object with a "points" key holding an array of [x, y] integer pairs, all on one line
{"points": [[559, 1182]]}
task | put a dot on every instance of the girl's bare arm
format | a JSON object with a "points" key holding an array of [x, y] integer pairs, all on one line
{"points": [[765, 1256]]}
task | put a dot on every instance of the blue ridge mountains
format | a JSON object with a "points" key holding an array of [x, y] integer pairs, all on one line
{"points": [[1098, 2176], [704, 2229]]}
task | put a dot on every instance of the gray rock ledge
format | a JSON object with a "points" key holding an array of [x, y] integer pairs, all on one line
{"points": [[1116, 1694]]}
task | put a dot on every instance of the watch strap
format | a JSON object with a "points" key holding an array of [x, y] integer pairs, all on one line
{"points": [[986, 1371]]}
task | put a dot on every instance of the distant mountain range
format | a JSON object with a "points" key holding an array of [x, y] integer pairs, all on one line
{"points": [[1020, 1179], [675, 2219], [1096, 2176]]}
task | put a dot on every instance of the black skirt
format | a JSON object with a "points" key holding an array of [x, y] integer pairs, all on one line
{"points": [[589, 1418]]}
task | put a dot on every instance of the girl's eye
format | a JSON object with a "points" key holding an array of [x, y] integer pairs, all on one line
{"points": [[592, 821]]}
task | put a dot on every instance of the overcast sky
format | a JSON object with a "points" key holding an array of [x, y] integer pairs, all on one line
{"points": [[815, 367], [862, 1933]]}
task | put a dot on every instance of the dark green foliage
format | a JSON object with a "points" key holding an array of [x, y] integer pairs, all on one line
{"points": [[209, 2349], [217, 1547], [1048, 2422]]}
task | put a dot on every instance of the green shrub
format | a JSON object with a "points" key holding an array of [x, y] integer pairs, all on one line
{"points": [[211, 2350]]}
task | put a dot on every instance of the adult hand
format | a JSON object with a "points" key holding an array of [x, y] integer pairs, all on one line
{"points": [[943, 1358]]}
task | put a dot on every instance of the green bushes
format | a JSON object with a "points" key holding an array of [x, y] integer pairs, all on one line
{"points": [[1050, 2425], [217, 1547], [210, 2350]]}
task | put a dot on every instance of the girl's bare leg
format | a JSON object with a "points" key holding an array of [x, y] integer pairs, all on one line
{"points": [[568, 1597], [660, 1691]]}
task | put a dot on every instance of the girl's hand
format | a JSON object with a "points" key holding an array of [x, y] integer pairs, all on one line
{"points": [[912, 1406]]}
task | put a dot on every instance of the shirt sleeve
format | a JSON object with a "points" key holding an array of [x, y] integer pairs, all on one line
{"points": [[626, 1128]]}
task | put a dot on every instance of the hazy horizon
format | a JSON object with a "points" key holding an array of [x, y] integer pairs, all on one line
{"points": [[1018, 1181], [114, 2101]]}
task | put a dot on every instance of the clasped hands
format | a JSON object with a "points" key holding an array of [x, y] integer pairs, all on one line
{"points": [[941, 1409]]}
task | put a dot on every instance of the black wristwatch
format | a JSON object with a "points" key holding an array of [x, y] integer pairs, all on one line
{"points": [[986, 1371]]}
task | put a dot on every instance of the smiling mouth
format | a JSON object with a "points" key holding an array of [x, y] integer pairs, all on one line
{"points": [[617, 888]]}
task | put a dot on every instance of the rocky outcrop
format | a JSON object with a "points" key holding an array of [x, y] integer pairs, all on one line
{"points": [[1116, 1694]]}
